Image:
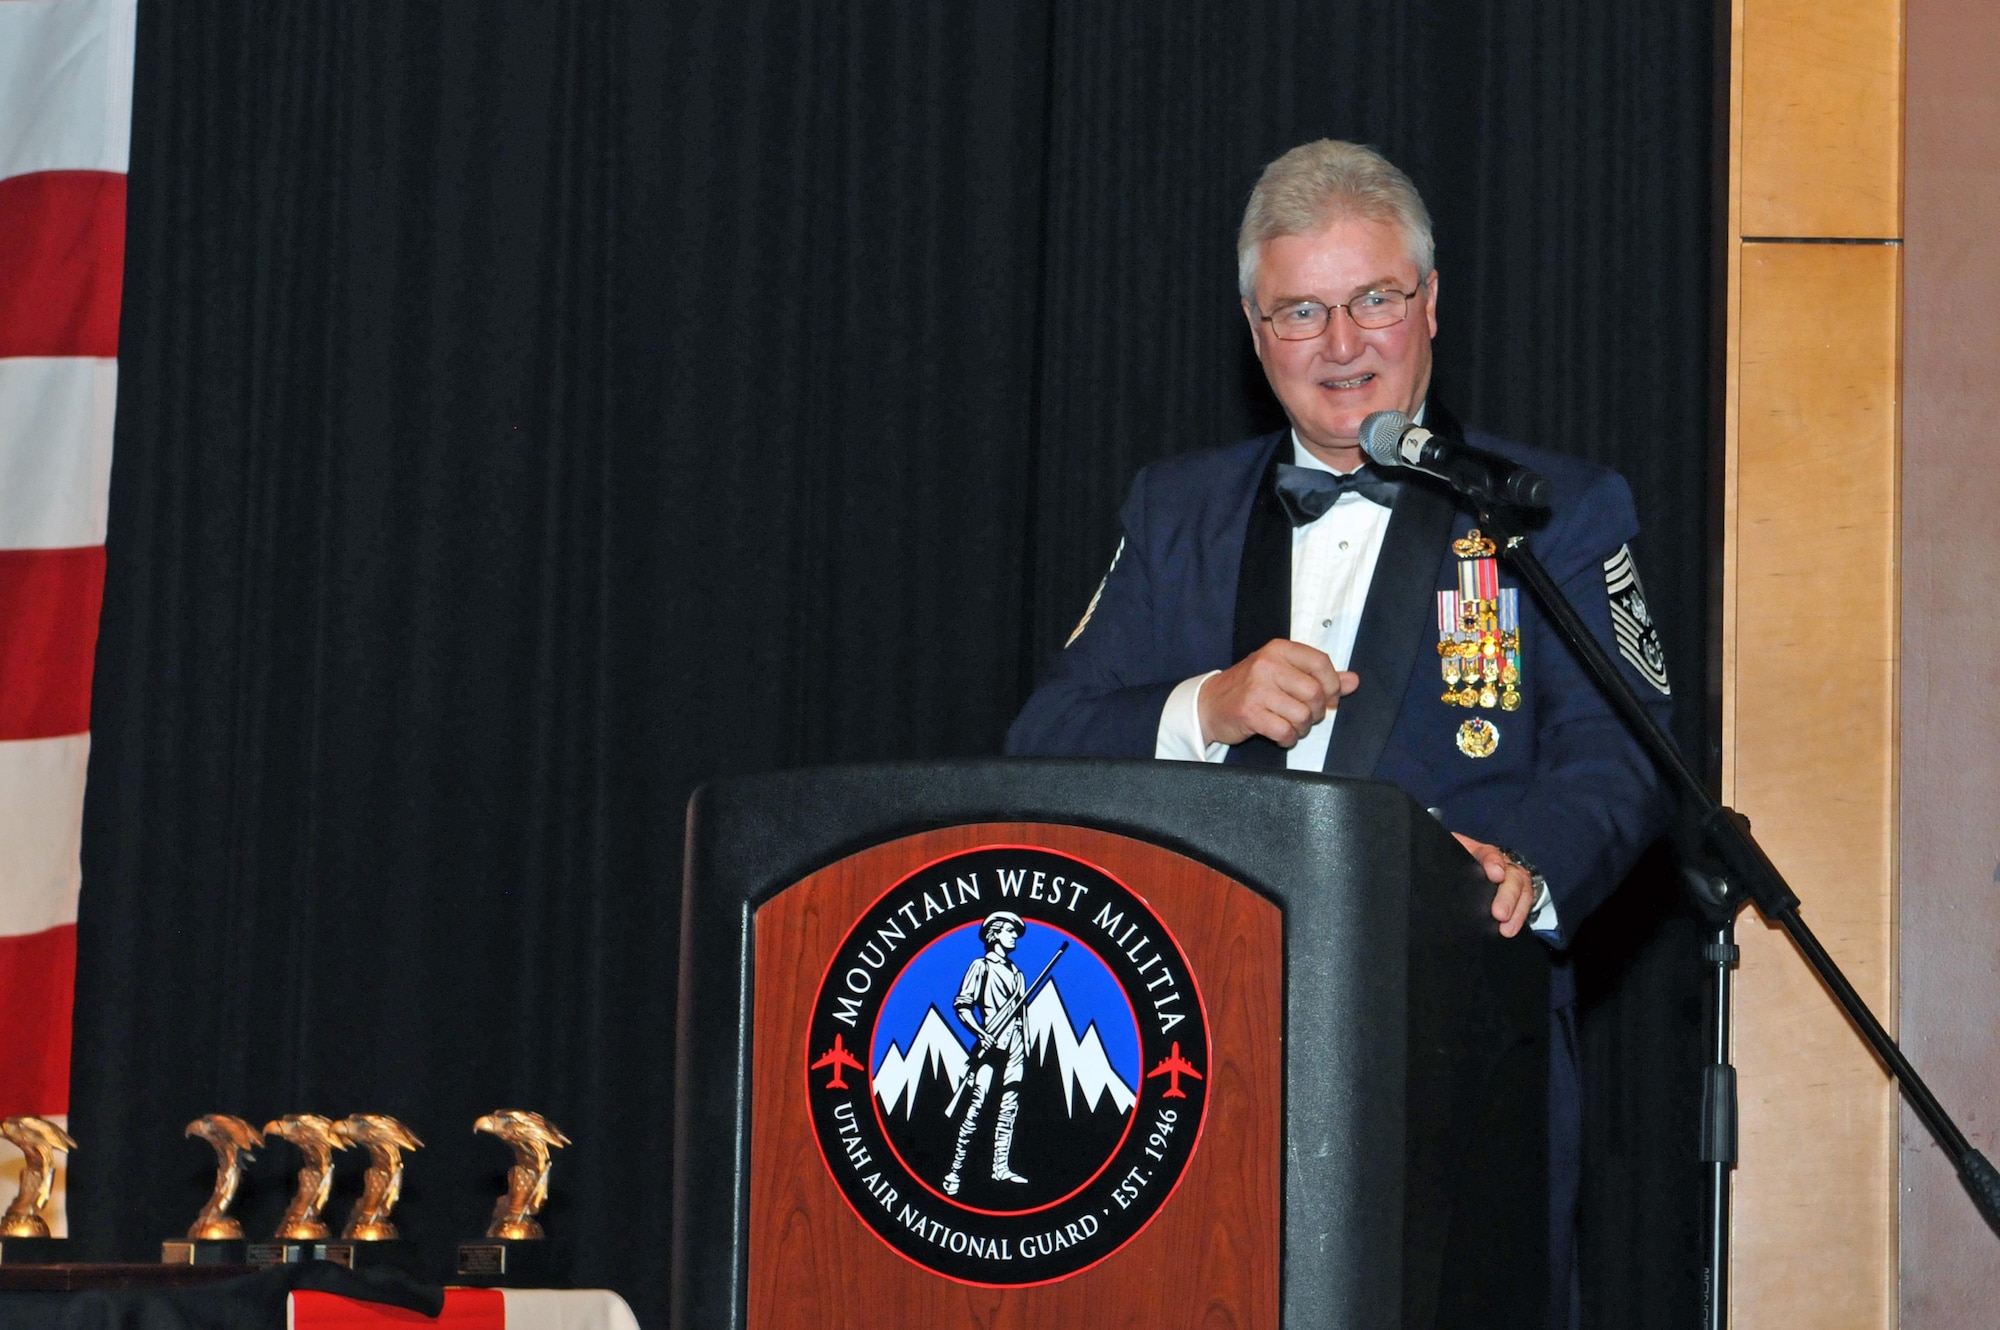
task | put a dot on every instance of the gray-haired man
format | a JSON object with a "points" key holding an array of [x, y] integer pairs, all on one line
{"points": [[1273, 603]]}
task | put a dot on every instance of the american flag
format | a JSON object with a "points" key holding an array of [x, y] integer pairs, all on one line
{"points": [[65, 128]]}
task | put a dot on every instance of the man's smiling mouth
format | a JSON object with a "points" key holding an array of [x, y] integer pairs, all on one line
{"points": [[1354, 382]]}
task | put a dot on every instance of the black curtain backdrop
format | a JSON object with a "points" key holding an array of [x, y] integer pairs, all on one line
{"points": [[532, 409]]}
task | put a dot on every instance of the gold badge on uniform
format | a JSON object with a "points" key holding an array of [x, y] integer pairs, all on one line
{"points": [[1478, 737], [1479, 642]]}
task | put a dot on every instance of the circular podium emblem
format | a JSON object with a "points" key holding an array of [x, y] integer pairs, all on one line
{"points": [[1007, 1066]]}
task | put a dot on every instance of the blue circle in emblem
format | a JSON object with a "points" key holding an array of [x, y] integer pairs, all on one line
{"points": [[1089, 993]]}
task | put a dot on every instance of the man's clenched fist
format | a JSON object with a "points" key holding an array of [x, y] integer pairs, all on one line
{"points": [[1280, 690]]}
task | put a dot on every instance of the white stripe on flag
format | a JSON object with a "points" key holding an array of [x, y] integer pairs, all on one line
{"points": [[10, 1173], [566, 1309], [65, 85], [41, 831], [55, 450]]}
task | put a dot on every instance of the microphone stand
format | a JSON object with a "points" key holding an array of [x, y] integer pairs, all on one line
{"points": [[1745, 875], [1718, 1116]]}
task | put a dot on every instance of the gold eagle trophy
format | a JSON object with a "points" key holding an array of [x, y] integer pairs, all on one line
{"points": [[515, 1249], [300, 1227], [384, 1139], [24, 1234], [368, 1237], [315, 1138], [215, 1238]]}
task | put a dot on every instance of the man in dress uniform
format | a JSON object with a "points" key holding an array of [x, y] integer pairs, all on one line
{"points": [[992, 1003], [1283, 603]]}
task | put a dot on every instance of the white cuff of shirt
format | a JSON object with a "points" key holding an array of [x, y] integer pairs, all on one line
{"points": [[1542, 919], [1179, 735]]}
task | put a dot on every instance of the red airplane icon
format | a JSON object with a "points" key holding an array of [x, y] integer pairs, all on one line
{"points": [[840, 1059], [1173, 1065]]}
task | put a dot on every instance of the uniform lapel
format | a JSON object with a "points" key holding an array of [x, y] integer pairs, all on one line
{"points": [[1264, 593], [1398, 620]]}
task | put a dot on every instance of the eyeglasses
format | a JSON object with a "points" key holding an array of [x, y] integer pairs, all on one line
{"points": [[1302, 320]]}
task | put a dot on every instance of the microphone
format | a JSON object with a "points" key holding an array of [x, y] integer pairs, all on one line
{"points": [[1390, 439]]}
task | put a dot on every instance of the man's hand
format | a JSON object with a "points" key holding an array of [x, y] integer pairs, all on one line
{"points": [[1280, 690], [1515, 893]]}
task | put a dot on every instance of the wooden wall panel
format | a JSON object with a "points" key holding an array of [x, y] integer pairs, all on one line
{"points": [[1813, 619], [1810, 638], [1820, 152], [1950, 908]]}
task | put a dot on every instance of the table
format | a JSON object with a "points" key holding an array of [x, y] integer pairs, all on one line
{"points": [[471, 1309], [83, 1297]]}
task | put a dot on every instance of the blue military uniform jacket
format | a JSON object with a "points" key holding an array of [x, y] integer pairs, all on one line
{"points": [[1203, 578]]}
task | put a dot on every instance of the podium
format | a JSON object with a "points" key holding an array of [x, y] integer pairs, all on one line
{"points": [[1078, 1043]]}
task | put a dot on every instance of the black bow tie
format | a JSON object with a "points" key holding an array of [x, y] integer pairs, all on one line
{"points": [[1307, 492]]}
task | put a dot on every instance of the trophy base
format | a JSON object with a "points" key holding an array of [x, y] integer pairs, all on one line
{"points": [[276, 1253], [393, 1253], [207, 1251], [387, 1253], [513, 1263], [35, 1251]]}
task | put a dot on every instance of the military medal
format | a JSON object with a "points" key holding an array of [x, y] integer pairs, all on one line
{"points": [[1479, 643], [1510, 645], [1451, 660]]}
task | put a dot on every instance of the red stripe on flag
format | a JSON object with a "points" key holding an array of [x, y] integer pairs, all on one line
{"points": [[37, 978], [464, 1309], [48, 639], [62, 263]]}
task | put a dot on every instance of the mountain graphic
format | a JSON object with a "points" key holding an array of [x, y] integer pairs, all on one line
{"points": [[1084, 1068], [937, 1057], [936, 1050]]}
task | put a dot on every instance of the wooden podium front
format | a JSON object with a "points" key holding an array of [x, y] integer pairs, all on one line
{"points": [[1014, 1044], [1214, 1245]]}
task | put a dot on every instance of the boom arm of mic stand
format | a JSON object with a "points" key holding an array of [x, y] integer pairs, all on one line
{"points": [[1749, 872]]}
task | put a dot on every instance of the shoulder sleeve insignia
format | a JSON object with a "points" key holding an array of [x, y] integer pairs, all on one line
{"points": [[1631, 622], [1095, 596]]}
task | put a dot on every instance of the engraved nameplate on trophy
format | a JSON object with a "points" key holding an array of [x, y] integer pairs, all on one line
{"points": [[515, 1249], [215, 1237], [24, 1233]]}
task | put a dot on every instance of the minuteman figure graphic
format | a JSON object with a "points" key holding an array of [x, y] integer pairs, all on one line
{"points": [[992, 1003]]}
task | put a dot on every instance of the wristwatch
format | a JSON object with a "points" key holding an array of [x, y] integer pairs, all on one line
{"points": [[1535, 878]]}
